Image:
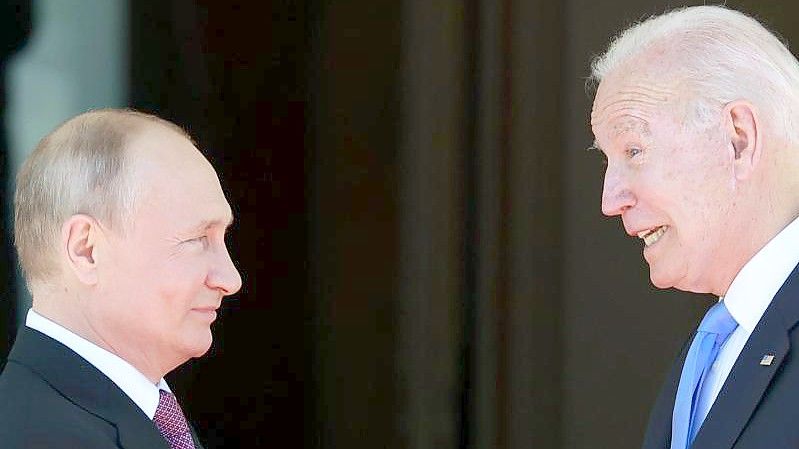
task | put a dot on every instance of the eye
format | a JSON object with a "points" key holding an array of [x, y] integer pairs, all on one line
{"points": [[202, 240], [633, 151]]}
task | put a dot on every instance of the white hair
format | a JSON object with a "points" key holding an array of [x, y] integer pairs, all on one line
{"points": [[82, 167], [723, 55]]}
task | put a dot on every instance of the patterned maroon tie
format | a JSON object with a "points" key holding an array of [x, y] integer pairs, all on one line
{"points": [[171, 423]]}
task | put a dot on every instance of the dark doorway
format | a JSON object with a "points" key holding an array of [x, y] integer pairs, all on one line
{"points": [[233, 74]]}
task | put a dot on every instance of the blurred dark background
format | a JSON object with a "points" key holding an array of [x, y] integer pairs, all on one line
{"points": [[418, 227]]}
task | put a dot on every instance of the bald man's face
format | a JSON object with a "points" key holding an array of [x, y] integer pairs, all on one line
{"points": [[671, 185], [163, 280]]}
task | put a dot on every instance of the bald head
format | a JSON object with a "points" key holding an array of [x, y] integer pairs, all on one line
{"points": [[83, 167]]}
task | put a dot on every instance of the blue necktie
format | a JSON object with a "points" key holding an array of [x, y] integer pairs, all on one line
{"points": [[713, 331]]}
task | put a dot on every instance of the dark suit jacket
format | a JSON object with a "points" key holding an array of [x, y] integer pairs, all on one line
{"points": [[52, 398], [758, 406]]}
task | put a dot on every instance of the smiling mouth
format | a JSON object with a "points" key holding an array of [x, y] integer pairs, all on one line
{"points": [[651, 236]]}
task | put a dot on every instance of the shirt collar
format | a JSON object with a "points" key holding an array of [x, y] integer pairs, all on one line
{"points": [[130, 380], [759, 280]]}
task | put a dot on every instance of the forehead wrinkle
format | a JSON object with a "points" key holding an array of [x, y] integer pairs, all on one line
{"points": [[651, 89], [644, 94], [630, 105]]}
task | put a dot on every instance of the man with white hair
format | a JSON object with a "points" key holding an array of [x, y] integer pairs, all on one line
{"points": [[696, 112], [120, 227]]}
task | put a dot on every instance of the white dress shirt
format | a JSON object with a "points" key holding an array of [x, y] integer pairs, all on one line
{"points": [[747, 298], [138, 388]]}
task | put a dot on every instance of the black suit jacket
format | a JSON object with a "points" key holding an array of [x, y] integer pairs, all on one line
{"points": [[51, 398], [758, 406]]}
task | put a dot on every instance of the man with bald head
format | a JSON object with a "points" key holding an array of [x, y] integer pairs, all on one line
{"points": [[697, 113], [120, 227]]}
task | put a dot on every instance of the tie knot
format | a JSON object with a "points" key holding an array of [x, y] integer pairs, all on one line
{"points": [[718, 321]]}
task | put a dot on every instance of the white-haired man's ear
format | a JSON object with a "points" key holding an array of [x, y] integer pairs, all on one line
{"points": [[79, 236], [742, 126]]}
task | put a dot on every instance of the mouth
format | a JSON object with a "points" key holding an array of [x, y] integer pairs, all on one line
{"points": [[207, 312], [651, 236]]}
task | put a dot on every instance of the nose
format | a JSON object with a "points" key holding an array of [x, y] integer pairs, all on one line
{"points": [[224, 276], [616, 194]]}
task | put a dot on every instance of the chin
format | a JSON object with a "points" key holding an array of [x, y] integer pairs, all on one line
{"points": [[678, 281], [659, 280], [199, 344]]}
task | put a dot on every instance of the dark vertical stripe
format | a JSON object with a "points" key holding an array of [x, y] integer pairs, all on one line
{"points": [[503, 291], [470, 240], [313, 412]]}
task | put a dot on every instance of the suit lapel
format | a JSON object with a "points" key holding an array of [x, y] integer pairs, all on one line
{"points": [[748, 380], [87, 387], [197, 444]]}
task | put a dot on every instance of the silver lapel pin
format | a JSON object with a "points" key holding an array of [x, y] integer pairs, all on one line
{"points": [[767, 359]]}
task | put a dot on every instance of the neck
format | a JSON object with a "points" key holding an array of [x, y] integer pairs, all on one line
{"points": [[77, 322], [751, 238]]}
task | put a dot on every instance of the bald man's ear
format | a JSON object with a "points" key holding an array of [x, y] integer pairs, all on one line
{"points": [[79, 236], [742, 125]]}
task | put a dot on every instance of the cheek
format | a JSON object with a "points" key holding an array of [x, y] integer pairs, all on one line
{"points": [[704, 211], [713, 187], [161, 293], [181, 282]]}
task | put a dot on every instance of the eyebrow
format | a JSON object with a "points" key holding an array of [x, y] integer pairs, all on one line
{"points": [[629, 124], [207, 224]]}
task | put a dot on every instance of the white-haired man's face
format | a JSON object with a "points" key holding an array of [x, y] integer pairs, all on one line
{"points": [[161, 283], [673, 187]]}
